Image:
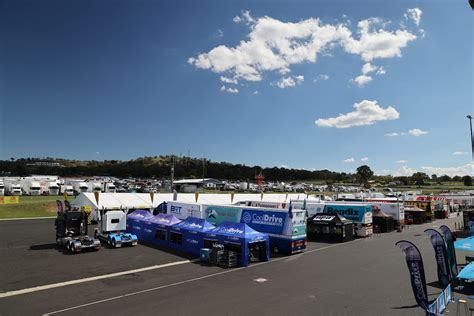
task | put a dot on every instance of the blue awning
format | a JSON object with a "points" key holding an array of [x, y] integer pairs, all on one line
{"points": [[467, 272], [466, 244]]}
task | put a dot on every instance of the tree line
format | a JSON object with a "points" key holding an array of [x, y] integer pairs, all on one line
{"points": [[188, 167]]}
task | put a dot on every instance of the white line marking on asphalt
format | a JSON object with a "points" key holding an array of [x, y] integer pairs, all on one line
{"points": [[193, 280], [95, 278], [26, 218]]}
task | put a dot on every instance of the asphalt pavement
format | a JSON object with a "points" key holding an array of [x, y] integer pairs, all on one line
{"points": [[363, 277]]}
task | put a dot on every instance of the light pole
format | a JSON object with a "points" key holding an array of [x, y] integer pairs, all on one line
{"points": [[472, 136]]}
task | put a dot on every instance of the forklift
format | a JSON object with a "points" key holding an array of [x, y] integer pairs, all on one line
{"points": [[112, 229], [71, 230]]}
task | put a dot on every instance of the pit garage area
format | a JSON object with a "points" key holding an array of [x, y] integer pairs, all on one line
{"points": [[361, 277]]}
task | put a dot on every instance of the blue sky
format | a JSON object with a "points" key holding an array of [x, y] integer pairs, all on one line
{"points": [[123, 79]]}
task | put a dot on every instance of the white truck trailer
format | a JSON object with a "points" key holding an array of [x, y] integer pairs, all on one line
{"points": [[109, 187], [67, 189], [31, 187], [2, 188], [80, 187], [12, 186], [94, 186]]}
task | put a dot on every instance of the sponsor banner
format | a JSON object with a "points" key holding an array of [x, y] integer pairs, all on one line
{"points": [[264, 221], [417, 272], [355, 213], [441, 256], [448, 238], [183, 210], [11, 199], [218, 214]]}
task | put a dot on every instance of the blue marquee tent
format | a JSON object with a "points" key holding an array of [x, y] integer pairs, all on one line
{"points": [[240, 238], [156, 228], [135, 222], [466, 244], [188, 235]]}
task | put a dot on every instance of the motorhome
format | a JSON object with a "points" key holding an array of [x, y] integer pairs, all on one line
{"points": [[12, 187], [67, 189], [109, 187], [94, 186], [80, 187], [31, 187]]}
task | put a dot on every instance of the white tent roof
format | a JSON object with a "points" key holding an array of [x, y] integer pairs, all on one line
{"points": [[143, 200]]}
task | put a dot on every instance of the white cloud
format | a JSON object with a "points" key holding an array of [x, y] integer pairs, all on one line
{"points": [[364, 159], [273, 45], [289, 81], [414, 14], [402, 161], [255, 92], [458, 153], [377, 43], [413, 132], [467, 169], [380, 71], [362, 80], [322, 77], [366, 113], [368, 68], [229, 89], [244, 17], [349, 160], [228, 80], [219, 33], [417, 132]]}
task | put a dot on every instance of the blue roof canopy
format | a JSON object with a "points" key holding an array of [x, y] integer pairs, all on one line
{"points": [[240, 230], [195, 224], [164, 219], [140, 214]]}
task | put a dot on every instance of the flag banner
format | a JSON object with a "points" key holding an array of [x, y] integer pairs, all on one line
{"points": [[60, 206], [448, 238], [441, 256], [417, 272], [67, 206]]}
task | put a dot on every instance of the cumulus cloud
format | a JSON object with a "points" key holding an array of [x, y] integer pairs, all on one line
{"points": [[228, 80], [366, 113], [229, 89], [255, 92], [349, 160], [367, 68], [289, 81], [273, 45], [417, 132], [364, 159], [402, 161], [413, 132], [362, 80], [459, 153], [414, 15]]}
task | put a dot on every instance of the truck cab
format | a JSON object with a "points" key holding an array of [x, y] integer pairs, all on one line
{"points": [[2, 189], [53, 188]]}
